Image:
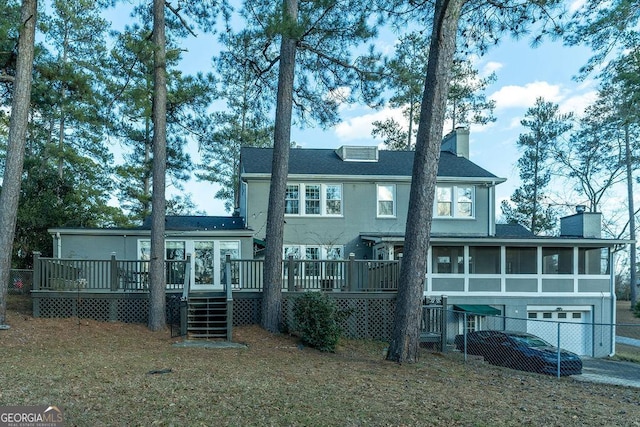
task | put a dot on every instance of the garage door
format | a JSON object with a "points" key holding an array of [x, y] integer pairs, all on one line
{"points": [[575, 327]]}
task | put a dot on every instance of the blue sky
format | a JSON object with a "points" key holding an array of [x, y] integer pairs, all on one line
{"points": [[523, 74]]}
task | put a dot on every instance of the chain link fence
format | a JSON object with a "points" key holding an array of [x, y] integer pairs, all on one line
{"points": [[536, 345], [20, 282]]}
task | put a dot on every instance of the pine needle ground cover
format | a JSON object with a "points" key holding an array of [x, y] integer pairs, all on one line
{"points": [[108, 374]]}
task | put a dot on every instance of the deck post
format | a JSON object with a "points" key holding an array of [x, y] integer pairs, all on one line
{"points": [[443, 325], [114, 272], [351, 272], [291, 283], [37, 271]]}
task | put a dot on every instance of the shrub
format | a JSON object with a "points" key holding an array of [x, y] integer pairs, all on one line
{"points": [[636, 309], [317, 320]]}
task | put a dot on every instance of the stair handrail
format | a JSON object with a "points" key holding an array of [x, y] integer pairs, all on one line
{"points": [[184, 300], [228, 285], [186, 286]]}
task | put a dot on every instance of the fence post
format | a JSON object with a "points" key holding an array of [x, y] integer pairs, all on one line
{"points": [[464, 331], [291, 283], [37, 271], [558, 350], [114, 272], [443, 325], [351, 272]]}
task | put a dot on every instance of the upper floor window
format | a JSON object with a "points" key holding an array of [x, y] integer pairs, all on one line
{"points": [[292, 200], [386, 200], [454, 201], [313, 199]]}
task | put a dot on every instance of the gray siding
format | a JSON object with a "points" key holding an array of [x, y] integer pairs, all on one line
{"points": [[359, 204], [484, 285], [521, 285], [557, 285], [448, 285], [593, 285]]}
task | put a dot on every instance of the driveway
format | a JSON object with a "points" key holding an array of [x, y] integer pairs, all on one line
{"points": [[609, 372]]}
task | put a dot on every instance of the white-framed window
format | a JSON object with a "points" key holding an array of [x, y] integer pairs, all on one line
{"points": [[312, 254], [474, 322], [292, 200], [313, 199], [454, 201], [333, 199], [386, 200]]}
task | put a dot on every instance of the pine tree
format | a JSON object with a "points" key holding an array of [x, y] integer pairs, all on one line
{"points": [[243, 123], [21, 96], [466, 103], [546, 127], [482, 25]]}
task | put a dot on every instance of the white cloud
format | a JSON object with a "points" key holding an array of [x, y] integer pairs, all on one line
{"points": [[360, 127], [576, 104], [491, 67], [525, 96], [575, 5], [340, 96]]}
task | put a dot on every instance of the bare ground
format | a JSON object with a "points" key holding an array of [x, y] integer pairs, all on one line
{"points": [[100, 374]]}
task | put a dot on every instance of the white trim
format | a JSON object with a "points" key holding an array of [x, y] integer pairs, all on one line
{"points": [[455, 187], [564, 307], [394, 199], [323, 200]]}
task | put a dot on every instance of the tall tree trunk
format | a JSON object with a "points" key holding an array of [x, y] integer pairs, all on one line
{"points": [[632, 220], [405, 339], [157, 278], [272, 288], [10, 194]]}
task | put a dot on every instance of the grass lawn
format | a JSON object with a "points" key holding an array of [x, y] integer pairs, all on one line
{"points": [[100, 374]]}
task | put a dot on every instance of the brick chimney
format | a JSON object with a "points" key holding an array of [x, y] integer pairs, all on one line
{"points": [[582, 224], [457, 142]]}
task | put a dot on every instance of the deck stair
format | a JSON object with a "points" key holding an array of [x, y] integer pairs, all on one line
{"points": [[207, 316]]}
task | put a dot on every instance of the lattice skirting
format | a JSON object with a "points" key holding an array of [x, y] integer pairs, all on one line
{"points": [[371, 318]]}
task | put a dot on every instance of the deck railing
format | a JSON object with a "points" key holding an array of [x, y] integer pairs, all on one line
{"points": [[57, 274], [324, 275], [60, 274]]}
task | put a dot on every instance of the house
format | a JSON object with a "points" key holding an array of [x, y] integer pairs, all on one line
{"points": [[345, 219], [354, 200]]}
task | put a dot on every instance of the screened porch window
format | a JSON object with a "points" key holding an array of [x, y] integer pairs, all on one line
{"points": [[484, 260], [522, 260], [557, 260], [593, 261], [448, 259]]}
